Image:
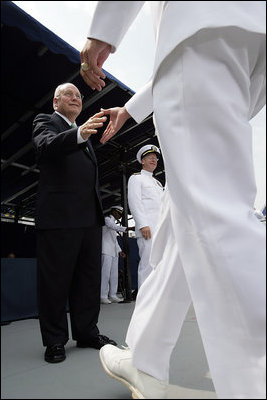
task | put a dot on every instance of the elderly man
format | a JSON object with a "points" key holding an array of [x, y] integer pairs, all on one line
{"points": [[209, 80], [144, 197], [69, 223]]}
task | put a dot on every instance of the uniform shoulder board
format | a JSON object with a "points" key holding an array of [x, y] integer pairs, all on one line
{"points": [[137, 173]]}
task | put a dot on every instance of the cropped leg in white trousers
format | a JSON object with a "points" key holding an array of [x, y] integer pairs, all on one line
{"points": [[204, 94], [144, 268], [109, 276]]}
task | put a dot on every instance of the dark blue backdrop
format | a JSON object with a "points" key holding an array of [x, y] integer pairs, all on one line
{"points": [[19, 277]]}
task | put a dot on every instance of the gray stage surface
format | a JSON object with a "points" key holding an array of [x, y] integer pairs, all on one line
{"points": [[25, 374]]}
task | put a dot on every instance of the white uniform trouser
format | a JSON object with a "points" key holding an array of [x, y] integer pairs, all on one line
{"points": [[203, 96], [109, 276], [144, 268]]}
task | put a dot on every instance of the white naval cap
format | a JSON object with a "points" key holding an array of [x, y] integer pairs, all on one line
{"points": [[149, 148], [117, 208]]}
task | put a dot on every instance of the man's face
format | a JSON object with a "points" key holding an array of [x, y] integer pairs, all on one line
{"points": [[116, 214], [150, 162], [69, 102]]}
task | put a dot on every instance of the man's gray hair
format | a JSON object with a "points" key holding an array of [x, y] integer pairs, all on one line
{"points": [[60, 88], [58, 91]]}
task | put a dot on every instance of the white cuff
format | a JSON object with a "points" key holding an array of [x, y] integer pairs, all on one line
{"points": [[79, 137]]}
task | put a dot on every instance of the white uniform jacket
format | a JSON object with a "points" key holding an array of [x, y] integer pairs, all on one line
{"points": [[110, 245], [144, 198], [112, 19]]}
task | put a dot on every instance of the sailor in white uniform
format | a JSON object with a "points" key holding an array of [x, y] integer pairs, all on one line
{"points": [[144, 198], [209, 80], [110, 256]]}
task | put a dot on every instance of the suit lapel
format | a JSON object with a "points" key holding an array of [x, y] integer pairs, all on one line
{"points": [[62, 123], [89, 148]]}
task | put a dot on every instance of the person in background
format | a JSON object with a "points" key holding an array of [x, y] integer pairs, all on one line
{"points": [[209, 80], [68, 222], [144, 198], [110, 255]]}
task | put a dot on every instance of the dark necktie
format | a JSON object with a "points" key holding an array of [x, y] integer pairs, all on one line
{"points": [[87, 150]]}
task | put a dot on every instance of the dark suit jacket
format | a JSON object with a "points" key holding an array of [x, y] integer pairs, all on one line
{"points": [[68, 194]]}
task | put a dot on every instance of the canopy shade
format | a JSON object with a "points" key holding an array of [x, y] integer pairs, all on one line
{"points": [[34, 62]]}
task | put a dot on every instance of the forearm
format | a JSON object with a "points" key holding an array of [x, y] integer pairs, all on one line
{"points": [[141, 104], [112, 225], [112, 19]]}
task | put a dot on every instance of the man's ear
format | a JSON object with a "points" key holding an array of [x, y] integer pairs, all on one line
{"points": [[55, 103]]}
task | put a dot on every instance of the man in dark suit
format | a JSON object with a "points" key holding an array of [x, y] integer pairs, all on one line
{"points": [[69, 221]]}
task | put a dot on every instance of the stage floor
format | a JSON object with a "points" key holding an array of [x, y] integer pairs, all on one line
{"points": [[25, 374]]}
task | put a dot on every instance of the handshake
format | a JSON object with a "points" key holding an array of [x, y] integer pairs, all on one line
{"points": [[117, 118]]}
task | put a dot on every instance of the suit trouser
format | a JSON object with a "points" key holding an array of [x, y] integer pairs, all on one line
{"points": [[144, 268], [204, 94], [69, 268], [109, 276]]}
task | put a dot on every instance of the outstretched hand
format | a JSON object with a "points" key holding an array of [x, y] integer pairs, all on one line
{"points": [[94, 54], [92, 124], [117, 118]]}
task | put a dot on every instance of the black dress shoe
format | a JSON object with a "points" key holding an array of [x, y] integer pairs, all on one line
{"points": [[55, 353], [97, 342]]}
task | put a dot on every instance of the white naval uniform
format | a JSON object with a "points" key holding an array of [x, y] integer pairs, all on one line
{"points": [[110, 258], [208, 81], [144, 198], [259, 214]]}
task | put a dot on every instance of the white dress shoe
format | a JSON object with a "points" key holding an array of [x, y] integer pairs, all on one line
{"points": [[115, 299], [118, 364], [105, 301]]}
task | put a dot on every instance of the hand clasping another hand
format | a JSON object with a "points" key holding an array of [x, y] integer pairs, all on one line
{"points": [[117, 118]]}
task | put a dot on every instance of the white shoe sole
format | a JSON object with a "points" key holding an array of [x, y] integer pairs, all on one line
{"points": [[135, 392]]}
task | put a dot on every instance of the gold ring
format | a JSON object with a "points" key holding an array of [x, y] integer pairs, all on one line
{"points": [[84, 66]]}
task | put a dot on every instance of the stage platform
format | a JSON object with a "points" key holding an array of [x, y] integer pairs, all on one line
{"points": [[25, 374]]}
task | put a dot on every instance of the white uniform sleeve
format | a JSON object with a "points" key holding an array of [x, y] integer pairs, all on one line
{"points": [[135, 201], [112, 225], [258, 214], [79, 136], [141, 104], [112, 19]]}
